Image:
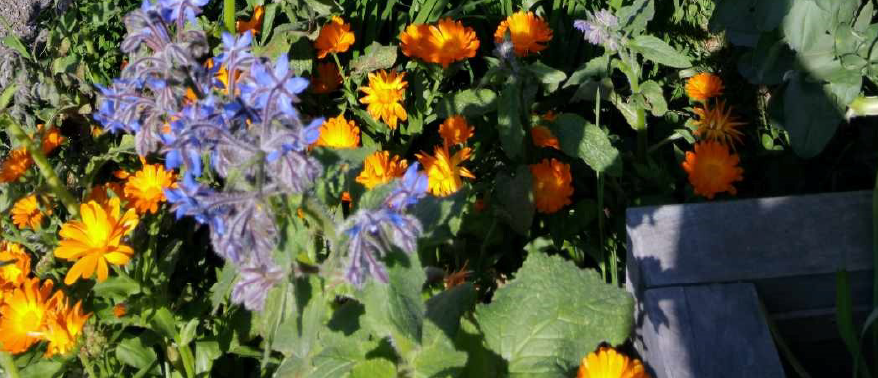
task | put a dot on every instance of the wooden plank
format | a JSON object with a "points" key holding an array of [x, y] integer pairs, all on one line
{"points": [[711, 330], [749, 239]]}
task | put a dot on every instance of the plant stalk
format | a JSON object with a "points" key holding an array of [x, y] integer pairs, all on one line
{"points": [[229, 15]]}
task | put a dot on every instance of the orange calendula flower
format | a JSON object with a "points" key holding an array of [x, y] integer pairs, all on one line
{"points": [[346, 197], [255, 23], [552, 186], [146, 188], [120, 310], [101, 193], [51, 140], [63, 325], [339, 133], [543, 137], [455, 130], [13, 275], [608, 363], [704, 86], [717, 123], [550, 116], [326, 79], [712, 169], [96, 240], [529, 33], [335, 37], [444, 171], [26, 213], [24, 315], [15, 165], [384, 95], [446, 42], [379, 168]]}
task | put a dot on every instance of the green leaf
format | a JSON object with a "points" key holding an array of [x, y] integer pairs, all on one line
{"points": [[806, 25], [396, 309], [659, 51], [438, 356], [133, 352], [767, 64], [595, 68], [569, 311], [188, 333], [206, 352], [481, 362], [117, 287], [42, 369], [549, 77], [516, 199], [810, 116], [582, 139], [845, 320], [470, 103], [223, 285], [6, 97], [377, 57], [446, 308], [440, 216], [652, 92], [374, 368], [13, 42], [745, 20], [163, 323], [340, 355], [65, 64], [509, 120], [281, 43], [633, 18], [297, 335]]}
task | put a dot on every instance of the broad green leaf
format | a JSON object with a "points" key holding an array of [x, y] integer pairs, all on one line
{"points": [[509, 120], [163, 323], [374, 368], [339, 355], [549, 77], [65, 64], [633, 18], [223, 285], [745, 20], [301, 56], [117, 287], [42, 369], [582, 139], [446, 308], [806, 26], [659, 51], [810, 116], [470, 103], [596, 68], [569, 312], [377, 57], [281, 43], [440, 216], [516, 199], [297, 335], [481, 362], [865, 17], [768, 62], [133, 352], [6, 97], [280, 303], [206, 352], [187, 333], [652, 92], [13, 42], [395, 308], [437, 357]]}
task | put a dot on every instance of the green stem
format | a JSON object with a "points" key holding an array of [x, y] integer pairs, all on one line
{"points": [[188, 360], [52, 180], [229, 15], [782, 344], [8, 365]]}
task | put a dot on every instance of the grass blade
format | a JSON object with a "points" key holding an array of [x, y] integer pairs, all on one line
{"points": [[845, 319]]}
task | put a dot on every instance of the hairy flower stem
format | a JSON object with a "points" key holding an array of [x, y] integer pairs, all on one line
{"points": [[54, 183]]}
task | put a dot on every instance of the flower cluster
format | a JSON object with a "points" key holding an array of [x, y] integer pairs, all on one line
{"points": [[20, 160], [601, 28], [30, 312]]}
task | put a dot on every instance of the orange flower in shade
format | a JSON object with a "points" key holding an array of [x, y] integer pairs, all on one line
{"points": [[146, 188], [550, 116], [63, 325], [552, 186], [444, 171], [379, 168], [26, 213], [13, 275], [712, 169], [51, 140], [704, 86], [346, 197], [326, 79], [15, 165], [446, 42], [96, 240], [339, 133], [335, 37], [384, 96], [458, 277], [455, 130], [543, 137], [24, 315], [96, 131], [101, 193], [608, 363], [718, 124], [529, 33], [255, 23], [120, 310]]}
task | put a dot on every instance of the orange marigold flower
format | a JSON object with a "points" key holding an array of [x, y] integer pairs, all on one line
{"points": [[384, 97], [255, 23], [335, 37], [326, 78], [96, 131], [101, 193], [51, 140], [146, 188], [379, 168], [339, 133], [529, 33], [446, 42], [718, 124], [608, 363], [552, 186], [444, 171], [96, 240], [704, 86], [26, 213], [346, 197], [712, 169], [13, 275], [550, 116], [543, 137], [15, 165], [120, 310], [24, 315], [63, 325], [455, 130]]}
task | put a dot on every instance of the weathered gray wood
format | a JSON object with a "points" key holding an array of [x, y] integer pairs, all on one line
{"points": [[749, 239], [712, 330]]}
